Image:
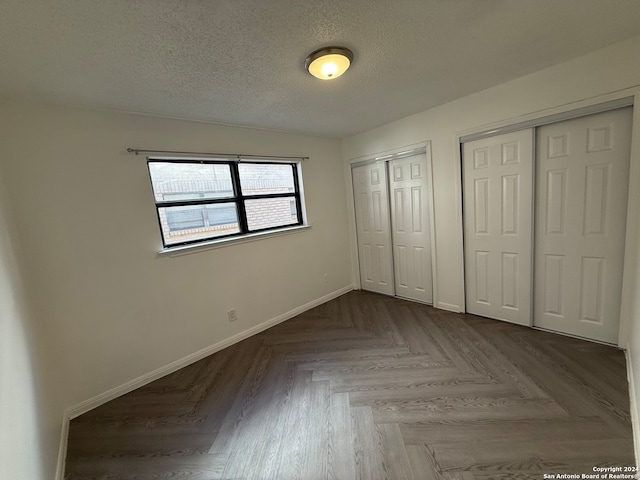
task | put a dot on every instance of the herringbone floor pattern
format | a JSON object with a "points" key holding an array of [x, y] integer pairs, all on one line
{"points": [[370, 387]]}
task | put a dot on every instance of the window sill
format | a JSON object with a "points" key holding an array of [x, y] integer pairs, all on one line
{"points": [[225, 242]]}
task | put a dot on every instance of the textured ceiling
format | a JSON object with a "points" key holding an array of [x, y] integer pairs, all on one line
{"points": [[241, 61]]}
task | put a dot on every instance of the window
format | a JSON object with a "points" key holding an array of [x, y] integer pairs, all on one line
{"points": [[202, 200]]}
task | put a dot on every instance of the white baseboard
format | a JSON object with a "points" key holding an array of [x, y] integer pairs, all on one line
{"points": [[449, 306], [62, 451], [131, 385], [633, 405]]}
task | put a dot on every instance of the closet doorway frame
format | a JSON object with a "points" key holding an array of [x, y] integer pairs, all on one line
{"points": [[380, 157], [567, 112]]}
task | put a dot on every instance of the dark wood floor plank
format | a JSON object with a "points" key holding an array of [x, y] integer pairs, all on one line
{"points": [[422, 463], [390, 328], [391, 366], [140, 446], [193, 467], [368, 447], [497, 364], [239, 410], [440, 377], [617, 416], [432, 326], [542, 373], [496, 455], [374, 371], [318, 432], [357, 362], [342, 463], [589, 373], [370, 387], [461, 409], [311, 346], [417, 338], [221, 394], [291, 449], [262, 421], [427, 396], [264, 439], [568, 428], [304, 336], [138, 426], [396, 458], [307, 360]]}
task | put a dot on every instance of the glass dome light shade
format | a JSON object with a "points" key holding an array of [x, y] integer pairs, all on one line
{"points": [[329, 63]]}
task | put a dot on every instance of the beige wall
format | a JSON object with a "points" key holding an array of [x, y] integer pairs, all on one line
{"points": [[110, 308], [30, 411], [603, 75]]}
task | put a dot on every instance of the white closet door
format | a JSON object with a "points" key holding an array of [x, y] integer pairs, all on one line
{"points": [[372, 227], [498, 178], [581, 207], [410, 222]]}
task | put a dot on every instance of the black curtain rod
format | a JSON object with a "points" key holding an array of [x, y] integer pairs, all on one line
{"points": [[138, 151]]}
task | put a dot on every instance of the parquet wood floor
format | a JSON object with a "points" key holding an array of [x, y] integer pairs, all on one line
{"points": [[370, 387]]}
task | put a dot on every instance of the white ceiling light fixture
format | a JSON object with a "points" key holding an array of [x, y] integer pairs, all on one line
{"points": [[329, 62]]}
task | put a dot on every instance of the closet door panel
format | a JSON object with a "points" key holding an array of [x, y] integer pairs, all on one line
{"points": [[582, 173], [372, 228], [498, 179], [411, 236]]}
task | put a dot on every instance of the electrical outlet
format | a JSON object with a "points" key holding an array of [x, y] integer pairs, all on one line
{"points": [[232, 315], [325, 277]]}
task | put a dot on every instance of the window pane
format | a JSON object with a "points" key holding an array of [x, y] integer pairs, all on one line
{"points": [[198, 222], [190, 181], [262, 179], [271, 212]]}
